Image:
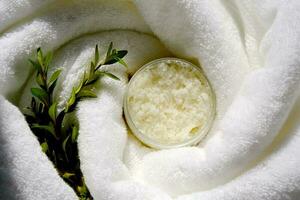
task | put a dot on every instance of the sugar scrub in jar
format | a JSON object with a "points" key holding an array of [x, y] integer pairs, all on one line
{"points": [[169, 103]]}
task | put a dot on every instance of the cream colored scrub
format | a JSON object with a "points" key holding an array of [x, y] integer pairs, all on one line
{"points": [[169, 103]]}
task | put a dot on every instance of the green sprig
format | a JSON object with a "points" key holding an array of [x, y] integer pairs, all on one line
{"points": [[94, 74], [57, 138]]}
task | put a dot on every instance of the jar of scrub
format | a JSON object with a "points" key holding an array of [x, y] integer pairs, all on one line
{"points": [[169, 103]]}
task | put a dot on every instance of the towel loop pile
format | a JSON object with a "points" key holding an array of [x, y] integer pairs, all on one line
{"points": [[248, 49]]}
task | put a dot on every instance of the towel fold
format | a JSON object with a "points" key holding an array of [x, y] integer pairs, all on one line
{"points": [[25, 171], [249, 51]]}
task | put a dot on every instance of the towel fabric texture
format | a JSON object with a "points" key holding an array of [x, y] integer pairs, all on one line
{"points": [[249, 51]]}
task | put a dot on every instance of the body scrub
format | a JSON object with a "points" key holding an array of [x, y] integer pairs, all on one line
{"points": [[169, 103]]}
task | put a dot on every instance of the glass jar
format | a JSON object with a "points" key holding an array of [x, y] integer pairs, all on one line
{"points": [[169, 103]]}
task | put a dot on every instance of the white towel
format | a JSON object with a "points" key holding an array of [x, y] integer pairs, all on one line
{"points": [[250, 52]]}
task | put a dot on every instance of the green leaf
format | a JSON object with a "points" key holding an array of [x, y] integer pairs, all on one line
{"points": [[40, 94], [122, 62], [90, 82], [111, 55], [35, 65], [96, 55], [40, 57], [75, 133], [85, 78], [71, 100], [67, 175], [53, 80], [121, 54], [82, 190], [48, 58], [39, 80], [47, 128], [110, 75], [52, 86], [54, 77], [92, 70], [64, 145], [109, 49], [45, 147], [86, 93], [77, 90], [73, 97], [111, 60], [52, 111], [116, 56]]}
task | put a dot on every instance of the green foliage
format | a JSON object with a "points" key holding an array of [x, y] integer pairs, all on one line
{"points": [[54, 77], [58, 140], [74, 134], [86, 93], [44, 146], [71, 100], [45, 129], [41, 94], [52, 111], [110, 75]]}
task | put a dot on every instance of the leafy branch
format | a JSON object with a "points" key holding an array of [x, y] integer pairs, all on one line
{"points": [[57, 138]]}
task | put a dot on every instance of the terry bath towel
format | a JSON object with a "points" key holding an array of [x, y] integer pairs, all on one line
{"points": [[249, 51]]}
